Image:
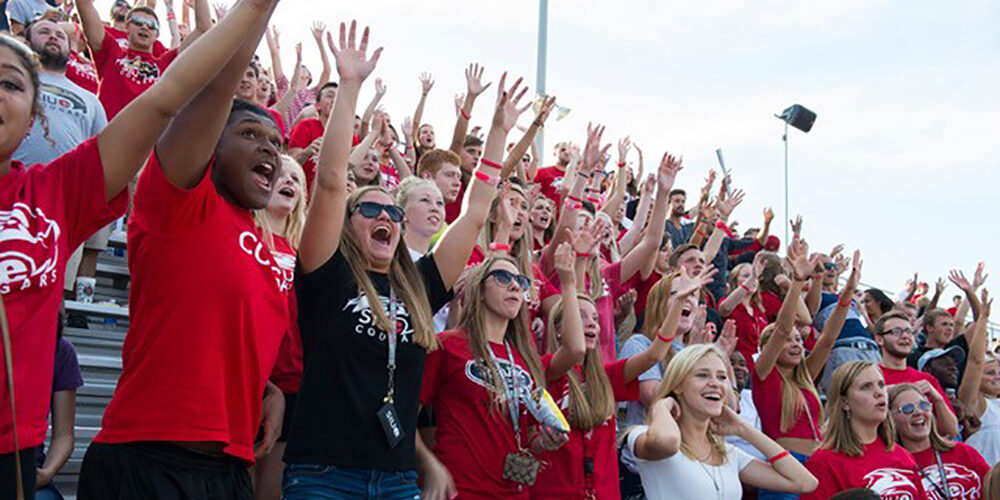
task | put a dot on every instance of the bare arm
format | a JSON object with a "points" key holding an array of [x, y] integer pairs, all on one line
{"points": [[284, 104], [274, 48], [63, 420], [321, 235], [663, 438], [517, 152], [642, 212], [175, 32], [366, 118], [643, 256], [426, 84], [714, 244], [816, 359], [474, 85], [968, 392], [318, 28], [786, 474], [798, 252], [572, 347], [202, 23], [93, 28]]}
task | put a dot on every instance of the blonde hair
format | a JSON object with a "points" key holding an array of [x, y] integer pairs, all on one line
{"points": [[295, 221], [991, 484], [409, 186], [793, 402], [839, 436], [657, 307], [519, 249], [473, 322], [938, 442], [404, 279], [593, 403], [677, 372]]}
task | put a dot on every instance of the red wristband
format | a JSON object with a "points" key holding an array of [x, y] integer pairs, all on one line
{"points": [[489, 179], [490, 163], [584, 255], [499, 247], [621, 164], [464, 114], [779, 456], [745, 288], [665, 339], [593, 200], [842, 304], [574, 198]]}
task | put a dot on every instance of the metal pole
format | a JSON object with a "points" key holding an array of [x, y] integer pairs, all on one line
{"points": [[784, 138], [543, 39]]}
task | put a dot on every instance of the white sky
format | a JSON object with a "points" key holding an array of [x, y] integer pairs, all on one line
{"points": [[902, 162]]}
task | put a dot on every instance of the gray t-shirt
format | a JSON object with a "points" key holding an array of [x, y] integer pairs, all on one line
{"points": [[635, 413], [24, 11], [73, 114]]}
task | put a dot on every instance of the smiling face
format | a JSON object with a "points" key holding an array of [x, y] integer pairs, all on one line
{"points": [[896, 339], [990, 385], [246, 160], [541, 214], [866, 398], [17, 95], [424, 211], [377, 238], [142, 29], [247, 88], [703, 391], [368, 170], [793, 350], [591, 325], [263, 89], [449, 181], [916, 427], [502, 300], [425, 135], [288, 188], [740, 370]]}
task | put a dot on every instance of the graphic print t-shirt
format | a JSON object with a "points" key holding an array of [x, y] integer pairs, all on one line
{"points": [[73, 115], [287, 373], [893, 474], [964, 467], [126, 73], [46, 211], [550, 179], [82, 72], [207, 314], [345, 354]]}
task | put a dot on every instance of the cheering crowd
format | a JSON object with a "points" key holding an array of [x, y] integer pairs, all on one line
{"points": [[326, 304]]}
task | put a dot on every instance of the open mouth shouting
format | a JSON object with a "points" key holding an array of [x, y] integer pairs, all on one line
{"points": [[263, 175], [287, 191]]}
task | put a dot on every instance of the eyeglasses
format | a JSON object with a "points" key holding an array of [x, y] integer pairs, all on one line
{"points": [[899, 331], [370, 210], [145, 21], [909, 408], [504, 277]]}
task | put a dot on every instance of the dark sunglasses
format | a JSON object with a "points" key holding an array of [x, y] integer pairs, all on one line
{"points": [[370, 210], [148, 23], [829, 266], [909, 408], [504, 277]]}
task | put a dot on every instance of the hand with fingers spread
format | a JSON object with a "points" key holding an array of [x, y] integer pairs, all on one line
{"points": [[220, 10], [353, 63], [548, 103], [379, 87], [317, 29], [593, 152], [841, 264], [459, 102], [855, 276], [565, 263], [958, 278], [796, 226], [506, 114], [709, 181], [426, 83], [979, 278], [798, 257], [648, 186], [585, 242], [670, 166], [624, 145], [624, 305], [727, 339], [836, 250], [939, 286], [474, 80], [727, 206]]}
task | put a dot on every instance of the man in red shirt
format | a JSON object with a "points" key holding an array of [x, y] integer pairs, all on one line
{"points": [[443, 168], [307, 135], [894, 334], [127, 72], [247, 91], [471, 151], [550, 178]]}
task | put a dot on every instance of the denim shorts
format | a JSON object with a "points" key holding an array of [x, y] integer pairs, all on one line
{"points": [[313, 481]]}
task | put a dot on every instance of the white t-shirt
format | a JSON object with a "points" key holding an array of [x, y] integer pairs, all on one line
{"points": [[680, 478]]}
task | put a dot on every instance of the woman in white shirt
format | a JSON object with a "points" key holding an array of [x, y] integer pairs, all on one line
{"points": [[690, 416]]}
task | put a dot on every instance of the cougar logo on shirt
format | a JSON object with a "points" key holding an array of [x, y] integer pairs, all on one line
{"points": [[891, 484], [138, 70], [283, 275], [478, 373], [29, 248], [962, 482], [366, 323]]}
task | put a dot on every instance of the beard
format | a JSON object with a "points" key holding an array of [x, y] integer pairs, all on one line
{"points": [[52, 59]]}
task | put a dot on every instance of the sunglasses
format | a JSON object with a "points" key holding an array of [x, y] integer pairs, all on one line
{"points": [[145, 21], [909, 408], [504, 277], [370, 210], [829, 266]]}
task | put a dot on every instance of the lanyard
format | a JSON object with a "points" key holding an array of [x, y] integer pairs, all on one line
{"points": [[391, 364], [942, 475], [511, 392]]}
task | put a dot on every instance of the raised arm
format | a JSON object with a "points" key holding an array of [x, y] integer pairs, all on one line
{"points": [[90, 19], [274, 48], [746, 289], [766, 230], [426, 84], [203, 23], [971, 301], [366, 118], [528, 139], [572, 346], [474, 86], [816, 359], [617, 196], [663, 438], [643, 256], [456, 244], [175, 32], [321, 234], [968, 392], [127, 140], [284, 104], [628, 242], [318, 28], [798, 253]]}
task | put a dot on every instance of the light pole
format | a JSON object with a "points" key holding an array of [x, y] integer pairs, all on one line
{"points": [[543, 39], [801, 118]]}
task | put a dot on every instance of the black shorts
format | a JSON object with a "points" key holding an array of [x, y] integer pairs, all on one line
{"points": [[160, 471], [8, 474], [286, 424]]}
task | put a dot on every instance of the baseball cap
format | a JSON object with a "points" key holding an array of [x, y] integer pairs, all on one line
{"points": [[954, 351]]}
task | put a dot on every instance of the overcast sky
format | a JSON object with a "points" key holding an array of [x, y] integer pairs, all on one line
{"points": [[902, 162]]}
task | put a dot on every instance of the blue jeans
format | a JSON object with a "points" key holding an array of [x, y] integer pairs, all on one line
{"points": [[310, 481], [779, 495], [48, 492]]}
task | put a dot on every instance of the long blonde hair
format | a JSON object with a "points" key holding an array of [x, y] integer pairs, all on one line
{"points": [[938, 442], [295, 220], [677, 372], [521, 248], [793, 402], [839, 436], [473, 322], [593, 403], [404, 279]]}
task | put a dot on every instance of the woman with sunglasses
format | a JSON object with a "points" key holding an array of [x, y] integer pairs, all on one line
{"points": [[485, 375], [365, 312], [859, 448], [980, 389], [950, 470]]}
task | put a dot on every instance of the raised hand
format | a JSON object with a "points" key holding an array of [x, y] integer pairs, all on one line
{"points": [[979, 278], [272, 36], [796, 226], [317, 29], [727, 339], [836, 250], [841, 264], [958, 278], [353, 63], [379, 87], [459, 102], [624, 145], [798, 257], [585, 242], [548, 103], [506, 114], [667, 173], [939, 286], [707, 188], [727, 206], [855, 277], [729, 423], [624, 305], [426, 83], [593, 152], [648, 185], [474, 80], [768, 215], [565, 262], [220, 10]]}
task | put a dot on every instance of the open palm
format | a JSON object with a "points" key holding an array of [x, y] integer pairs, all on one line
{"points": [[353, 62]]}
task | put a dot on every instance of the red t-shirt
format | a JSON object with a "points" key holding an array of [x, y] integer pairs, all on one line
{"points": [[121, 37], [642, 289], [287, 372], [390, 177], [749, 324], [908, 376], [126, 73], [893, 474], [767, 398], [564, 477], [613, 289], [473, 436], [208, 310], [964, 470], [302, 136], [454, 209], [82, 72], [550, 180], [46, 211]]}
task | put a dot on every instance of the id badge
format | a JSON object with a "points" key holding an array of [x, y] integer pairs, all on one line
{"points": [[390, 425], [521, 468]]}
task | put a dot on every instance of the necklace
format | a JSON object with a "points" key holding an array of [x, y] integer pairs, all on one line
{"points": [[719, 490]]}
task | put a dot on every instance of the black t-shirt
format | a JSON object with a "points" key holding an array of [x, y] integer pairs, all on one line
{"points": [[922, 349], [345, 378]]}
